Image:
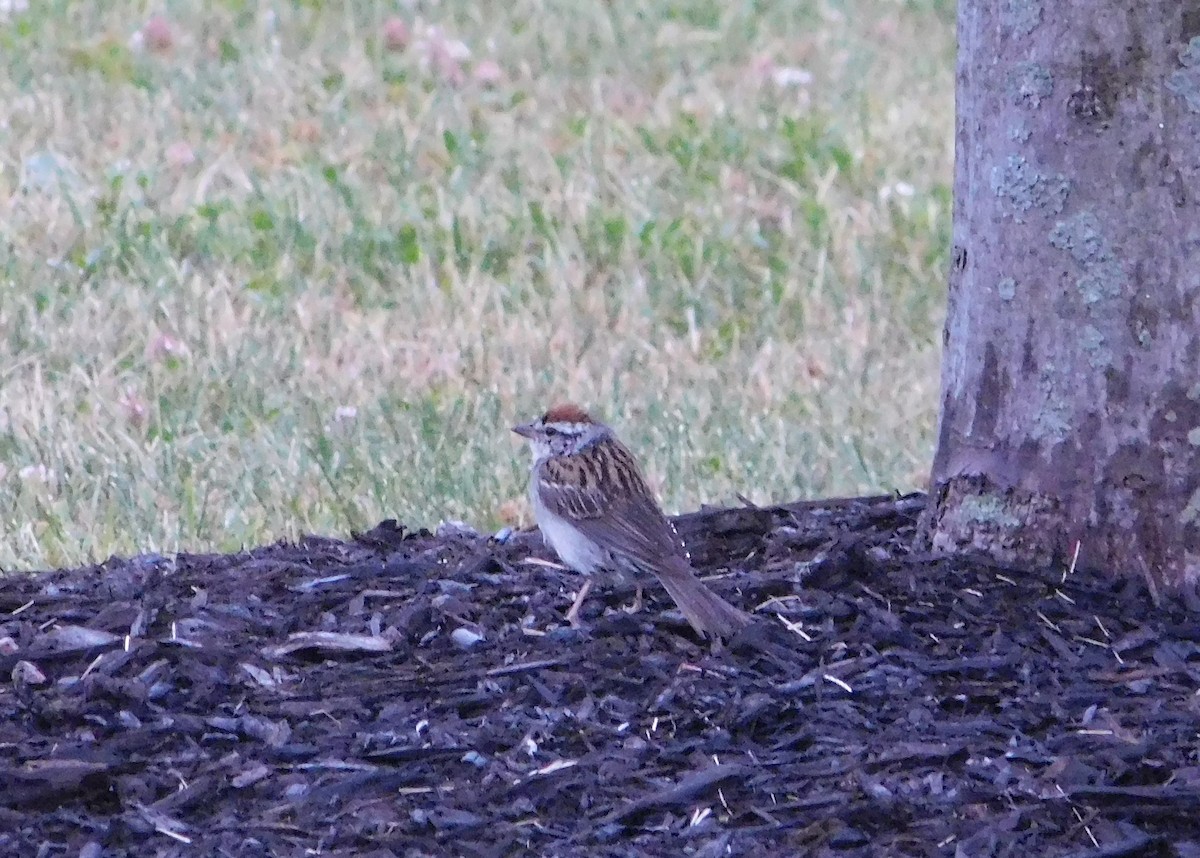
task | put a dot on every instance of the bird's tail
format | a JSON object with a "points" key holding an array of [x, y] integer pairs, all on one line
{"points": [[707, 612]]}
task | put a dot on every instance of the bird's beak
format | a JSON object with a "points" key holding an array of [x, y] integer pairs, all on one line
{"points": [[525, 430]]}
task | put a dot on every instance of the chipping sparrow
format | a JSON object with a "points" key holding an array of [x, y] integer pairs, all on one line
{"points": [[595, 510]]}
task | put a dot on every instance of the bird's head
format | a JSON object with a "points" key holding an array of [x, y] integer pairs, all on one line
{"points": [[562, 431]]}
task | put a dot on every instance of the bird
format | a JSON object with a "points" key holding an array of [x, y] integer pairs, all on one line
{"points": [[596, 511]]}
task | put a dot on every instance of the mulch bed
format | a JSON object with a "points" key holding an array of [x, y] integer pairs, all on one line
{"points": [[412, 694]]}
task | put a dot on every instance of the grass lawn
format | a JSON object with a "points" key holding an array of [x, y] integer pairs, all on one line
{"points": [[268, 269]]}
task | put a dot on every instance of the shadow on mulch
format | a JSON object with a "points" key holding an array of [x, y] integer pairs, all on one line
{"points": [[409, 694]]}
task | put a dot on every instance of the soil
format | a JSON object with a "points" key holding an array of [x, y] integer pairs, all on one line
{"points": [[410, 694]]}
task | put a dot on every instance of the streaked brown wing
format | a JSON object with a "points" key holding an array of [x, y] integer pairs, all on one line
{"points": [[573, 501], [624, 519]]}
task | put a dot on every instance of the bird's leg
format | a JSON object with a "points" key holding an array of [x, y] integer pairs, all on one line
{"points": [[638, 603], [573, 614]]}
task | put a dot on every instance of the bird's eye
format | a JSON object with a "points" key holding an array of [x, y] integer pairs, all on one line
{"points": [[551, 431]]}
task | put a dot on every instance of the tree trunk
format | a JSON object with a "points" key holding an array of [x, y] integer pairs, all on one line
{"points": [[1070, 414]]}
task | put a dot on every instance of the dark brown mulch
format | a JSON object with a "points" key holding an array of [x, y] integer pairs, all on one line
{"points": [[405, 694]]}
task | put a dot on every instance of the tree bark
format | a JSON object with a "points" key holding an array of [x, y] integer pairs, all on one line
{"points": [[1070, 414]]}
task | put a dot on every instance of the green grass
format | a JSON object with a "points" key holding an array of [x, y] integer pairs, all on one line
{"points": [[280, 279]]}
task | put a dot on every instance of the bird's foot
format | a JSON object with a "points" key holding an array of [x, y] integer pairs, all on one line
{"points": [[573, 613]]}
